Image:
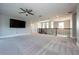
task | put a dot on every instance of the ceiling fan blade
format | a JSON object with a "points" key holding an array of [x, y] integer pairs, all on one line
{"points": [[26, 10], [31, 13], [30, 10], [23, 9], [21, 12]]}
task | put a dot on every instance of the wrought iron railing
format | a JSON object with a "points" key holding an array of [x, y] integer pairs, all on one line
{"points": [[56, 31]]}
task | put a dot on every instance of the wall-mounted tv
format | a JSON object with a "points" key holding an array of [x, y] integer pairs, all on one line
{"points": [[17, 23]]}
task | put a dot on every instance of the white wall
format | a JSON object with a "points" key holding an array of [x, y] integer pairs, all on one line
{"points": [[0, 26], [74, 25], [66, 24], [34, 27], [77, 24], [6, 30]]}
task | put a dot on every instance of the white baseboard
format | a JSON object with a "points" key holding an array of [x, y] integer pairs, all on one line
{"points": [[7, 36]]}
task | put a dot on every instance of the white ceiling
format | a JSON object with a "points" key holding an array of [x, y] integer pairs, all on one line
{"points": [[47, 10]]}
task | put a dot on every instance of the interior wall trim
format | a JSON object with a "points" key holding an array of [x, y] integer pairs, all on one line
{"points": [[7, 36]]}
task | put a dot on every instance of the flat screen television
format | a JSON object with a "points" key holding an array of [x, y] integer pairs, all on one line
{"points": [[17, 23]]}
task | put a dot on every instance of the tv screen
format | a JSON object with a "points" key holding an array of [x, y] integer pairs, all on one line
{"points": [[17, 23]]}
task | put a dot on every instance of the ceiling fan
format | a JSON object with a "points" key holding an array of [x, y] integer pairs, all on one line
{"points": [[26, 11]]}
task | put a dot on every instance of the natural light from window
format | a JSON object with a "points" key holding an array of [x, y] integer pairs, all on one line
{"points": [[47, 25], [39, 25], [43, 25], [52, 25], [61, 25]]}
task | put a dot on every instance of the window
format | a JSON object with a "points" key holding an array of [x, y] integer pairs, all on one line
{"points": [[43, 25], [52, 25], [61, 25], [47, 25], [39, 25]]}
